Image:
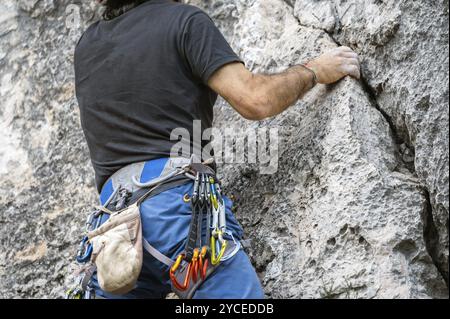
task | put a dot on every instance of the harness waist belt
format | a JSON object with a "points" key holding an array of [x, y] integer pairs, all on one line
{"points": [[137, 176]]}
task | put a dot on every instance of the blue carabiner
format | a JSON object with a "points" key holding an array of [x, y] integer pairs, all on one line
{"points": [[85, 252]]}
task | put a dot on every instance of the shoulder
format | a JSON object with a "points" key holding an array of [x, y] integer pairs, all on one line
{"points": [[185, 8], [187, 12], [86, 34]]}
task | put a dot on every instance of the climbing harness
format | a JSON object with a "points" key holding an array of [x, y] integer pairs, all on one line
{"points": [[206, 246]]}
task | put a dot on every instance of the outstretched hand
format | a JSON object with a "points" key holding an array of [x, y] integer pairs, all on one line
{"points": [[335, 64]]}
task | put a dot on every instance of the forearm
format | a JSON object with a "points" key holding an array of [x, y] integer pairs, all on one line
{"points": [[259, 96], [282, 90]]}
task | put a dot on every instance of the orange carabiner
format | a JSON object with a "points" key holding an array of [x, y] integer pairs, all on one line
{"points": [[203, 266], [195, 264], [173, 278]]}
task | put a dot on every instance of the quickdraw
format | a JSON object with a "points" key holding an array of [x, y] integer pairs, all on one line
{"points": [[218, 225], [202, 252], [80, 289], [187, 278]]}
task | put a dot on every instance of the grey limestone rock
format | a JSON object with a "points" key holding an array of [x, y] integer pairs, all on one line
{"points": [[359, 205]]}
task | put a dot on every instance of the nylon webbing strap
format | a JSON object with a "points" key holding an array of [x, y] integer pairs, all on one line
{"points": [[143, 193], [193, 227], [157, 254], [202, 201], [89, 272]]}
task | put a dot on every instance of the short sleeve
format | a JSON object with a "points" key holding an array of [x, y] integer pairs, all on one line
{"points": [[204, 47]]}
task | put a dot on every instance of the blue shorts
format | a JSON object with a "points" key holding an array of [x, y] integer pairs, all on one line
{"points": [[165, 224]]}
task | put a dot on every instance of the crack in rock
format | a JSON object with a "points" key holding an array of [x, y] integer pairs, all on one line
{"points": [[431, 236]]}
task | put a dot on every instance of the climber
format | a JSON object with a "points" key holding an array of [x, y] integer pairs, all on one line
{"points": [[147, 68]]}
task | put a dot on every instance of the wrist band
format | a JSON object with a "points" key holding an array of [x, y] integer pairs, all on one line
{"points": [[305, 66]]}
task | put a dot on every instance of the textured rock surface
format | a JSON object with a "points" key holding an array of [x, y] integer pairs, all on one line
{"points": [[359, 206], [405, 61]]}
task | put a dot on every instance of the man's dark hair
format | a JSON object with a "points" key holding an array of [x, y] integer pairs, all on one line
{"points": [[115, 8]]}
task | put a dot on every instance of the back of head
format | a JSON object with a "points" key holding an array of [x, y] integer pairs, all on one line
{"points": [[115, 8]]}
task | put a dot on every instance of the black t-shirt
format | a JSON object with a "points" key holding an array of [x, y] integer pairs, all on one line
{"points": [[142, 74]]}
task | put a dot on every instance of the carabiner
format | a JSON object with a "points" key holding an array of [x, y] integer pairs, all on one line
{"points": [[222, 217], [215, 260], [74, 293], [213, 193], [85, 251], [237, 247], [195, 265], [173, 278], [203, 265]]}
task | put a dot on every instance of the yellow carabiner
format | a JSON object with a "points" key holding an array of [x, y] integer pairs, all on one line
{"points": [[177, 263], [196, 258], [213, 197], [216, 259], [204, 251], [214, 201], [196, 254]]}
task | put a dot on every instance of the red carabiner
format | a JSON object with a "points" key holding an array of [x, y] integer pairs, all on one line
{"points": [[204, 268], [195, 264], [173, 278]]}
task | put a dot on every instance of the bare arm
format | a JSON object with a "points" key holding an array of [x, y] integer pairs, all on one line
{"points": [[259, 96]]}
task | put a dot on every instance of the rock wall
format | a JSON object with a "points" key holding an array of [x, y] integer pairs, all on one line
{"points": [[359, 205]]}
